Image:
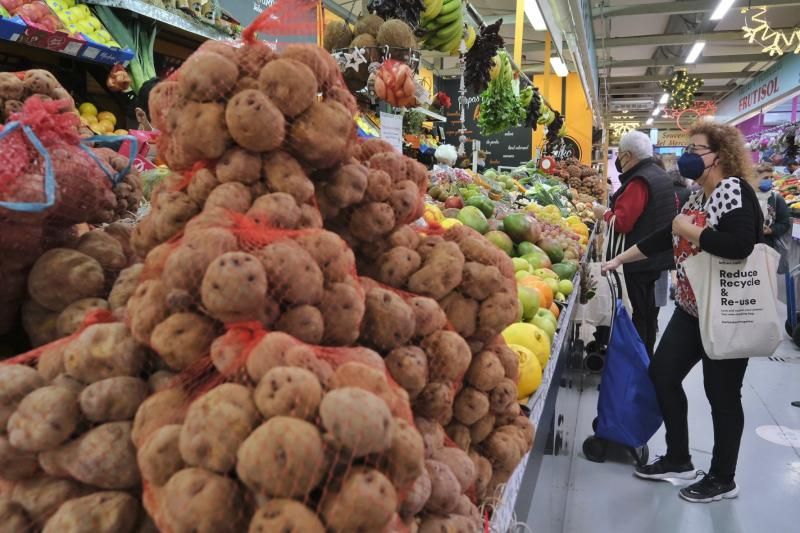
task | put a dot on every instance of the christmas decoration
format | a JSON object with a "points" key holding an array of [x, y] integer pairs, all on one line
{"points": [[757, 30], [684, 118], [681, 88], [618, 129]]}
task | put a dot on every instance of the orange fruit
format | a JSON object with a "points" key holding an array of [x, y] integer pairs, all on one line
{"points": [[545, 292], [555, 310]]}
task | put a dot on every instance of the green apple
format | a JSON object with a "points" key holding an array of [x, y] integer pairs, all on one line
{"points": [[547, 315], [545, 325], [529, 298], [552, 283], [521, 274], [565, 287], [520, 265]]}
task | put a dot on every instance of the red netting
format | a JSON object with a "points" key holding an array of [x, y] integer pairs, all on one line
{"points": [[394, 83]]}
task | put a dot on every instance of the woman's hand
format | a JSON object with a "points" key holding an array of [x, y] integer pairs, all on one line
{"points": [[599, 211], [611, 266], [682, 224], [767, 230]]}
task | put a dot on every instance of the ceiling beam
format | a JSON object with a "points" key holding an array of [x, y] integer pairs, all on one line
{"points": [[669, 39], [681, 7], [620, 80], [635, 91], [668, 62]]}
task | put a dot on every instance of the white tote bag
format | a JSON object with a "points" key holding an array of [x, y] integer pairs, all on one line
{"points": [[599, 310], [737, 303]]}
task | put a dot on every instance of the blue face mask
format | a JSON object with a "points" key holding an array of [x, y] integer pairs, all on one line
{"points": [[691, 166], [765, 185]]}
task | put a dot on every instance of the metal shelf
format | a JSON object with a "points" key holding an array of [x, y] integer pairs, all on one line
{"points": [[166, 17]]}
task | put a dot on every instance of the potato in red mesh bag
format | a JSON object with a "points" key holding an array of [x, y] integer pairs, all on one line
{"points": [[394, 83]]}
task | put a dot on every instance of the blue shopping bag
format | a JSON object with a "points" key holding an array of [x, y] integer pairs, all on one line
{"points": [[627, 408]]}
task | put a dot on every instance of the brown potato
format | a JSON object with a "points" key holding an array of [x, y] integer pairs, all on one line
{"points": [[503, 396], [428, 315], [480, 281], [448, 355], [397, 265], [201, 133], [198, 501], [288, 391], [290, 84], [508, 359], [216, 425], [327, 126], [16, 382], [233, 196], [346, 186], [460, 464], [284, 174], [485, 371], [72, 317], [315, 58], [41, 496], [160, 380], [379, 186], [165, 407], [445, 488], [502, 450], [103, 457], [365, 501], [408, 366], [50, 364], [146, 309], [183, 339], [282, 458], [371, 221], [293, 275], [103, 351], [238, 165], [459, 434], [44, 419], [285, 515], [305, 323], [441, 272], [234, 287], [497, 312], [358, 421], [470, 406], [406, 455], [113, 399], [417, 496], [40, 324], [276, 210], [392, 162], [245, 116], [332, 255], [101, 512], [253, 57], [367, 377], [405, 198], [125, 286], [435, 402], [14, 518], [104, 248], [482, 428], [203, 182], [462, 313], [159, 458], [207, 76], [61, 276], [483, 469], [432, 434], [16, 464], [388, 320], [268, 353]]}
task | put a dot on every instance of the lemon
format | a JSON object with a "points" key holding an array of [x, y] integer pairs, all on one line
{"points": [[120, 132], [107, 115], [448, 223], [105, 126], [88, 108]]}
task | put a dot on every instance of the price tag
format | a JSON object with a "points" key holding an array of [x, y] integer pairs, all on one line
{"points": [[392, 130], [73, 48]]}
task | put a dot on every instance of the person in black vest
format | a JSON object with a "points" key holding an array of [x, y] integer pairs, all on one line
{"points": [[644, 203]]}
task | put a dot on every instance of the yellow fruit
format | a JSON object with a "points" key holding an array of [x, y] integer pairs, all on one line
{"points": [[88, 108], [105, 126], [120, 132], [530, 371], [531, 337], [471, 36], [107, 115], [433, 213], [448, 223], [90, 119]]}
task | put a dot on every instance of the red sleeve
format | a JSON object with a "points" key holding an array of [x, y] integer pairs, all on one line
{"points": [[630, 205]]}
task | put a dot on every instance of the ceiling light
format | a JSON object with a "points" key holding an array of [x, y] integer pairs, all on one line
{"points": [[694, 53], [534, 15], [664, 99], [722, 9], [649, 121], [657, 111], [559, 67]]}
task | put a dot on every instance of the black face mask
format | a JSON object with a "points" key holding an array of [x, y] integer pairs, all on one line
{"points": [[618, 165]]}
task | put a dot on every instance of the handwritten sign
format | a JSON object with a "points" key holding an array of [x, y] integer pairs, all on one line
{"points": [[392, 130]]}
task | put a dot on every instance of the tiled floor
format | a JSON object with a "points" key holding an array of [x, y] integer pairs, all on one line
{"points": [[607, 498]]}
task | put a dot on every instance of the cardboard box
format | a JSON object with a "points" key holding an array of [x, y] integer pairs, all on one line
{"points": [[17, 30]]}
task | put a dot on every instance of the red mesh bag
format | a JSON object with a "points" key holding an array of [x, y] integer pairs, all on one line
{"points": [[394, 83]]}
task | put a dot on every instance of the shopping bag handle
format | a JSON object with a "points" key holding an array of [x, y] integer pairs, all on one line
{"points": [[114, 178], [616, 282], [49, 174]]}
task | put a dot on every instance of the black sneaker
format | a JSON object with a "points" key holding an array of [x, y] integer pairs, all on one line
{"points": [[709, 489], [663, 468]]}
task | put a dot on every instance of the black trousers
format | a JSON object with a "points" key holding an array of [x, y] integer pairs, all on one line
{"points": [[679, 350], [641, 287]]}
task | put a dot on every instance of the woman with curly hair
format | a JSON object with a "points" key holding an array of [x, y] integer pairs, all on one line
{"points": [[722, 218]]}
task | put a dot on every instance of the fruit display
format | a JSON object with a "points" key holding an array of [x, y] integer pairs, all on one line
{"points": [[789, 188], [580, 177], [443, 21], [35, 11], [77, 18], [99, 122]]}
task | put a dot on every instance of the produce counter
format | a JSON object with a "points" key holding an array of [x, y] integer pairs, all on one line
{"points": [[517, 497]]}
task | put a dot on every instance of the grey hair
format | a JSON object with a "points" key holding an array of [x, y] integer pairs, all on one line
{"points": [[637, 144]]}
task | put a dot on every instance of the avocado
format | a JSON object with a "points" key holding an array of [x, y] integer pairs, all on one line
{"points": [[565, 270], [552, 249], [525, 248]]}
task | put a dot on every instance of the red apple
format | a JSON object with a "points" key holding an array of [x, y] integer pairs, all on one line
{"points": [[454, 202]]}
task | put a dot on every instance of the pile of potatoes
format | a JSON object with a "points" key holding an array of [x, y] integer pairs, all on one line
{"points": [[67, 461], [66, 283], [15, 88]]}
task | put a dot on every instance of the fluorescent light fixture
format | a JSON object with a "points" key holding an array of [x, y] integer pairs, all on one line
{"points": [[649, 121], [657, 111], [694, 53], [534, 15], [664, 99], [722, 9], [559, 66]]}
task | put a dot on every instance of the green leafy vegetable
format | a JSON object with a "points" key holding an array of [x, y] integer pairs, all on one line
{"points": [[500, 107]]}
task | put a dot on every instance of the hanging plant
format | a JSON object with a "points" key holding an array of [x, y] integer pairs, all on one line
{"points": [[481, 57], [500, 107]]}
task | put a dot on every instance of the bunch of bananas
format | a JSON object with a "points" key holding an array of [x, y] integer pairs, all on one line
{"points": [[444, 22]]}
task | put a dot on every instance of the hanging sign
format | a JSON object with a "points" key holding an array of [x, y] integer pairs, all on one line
{"points": [[392, 130], [672, 138], [780, 80]]}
